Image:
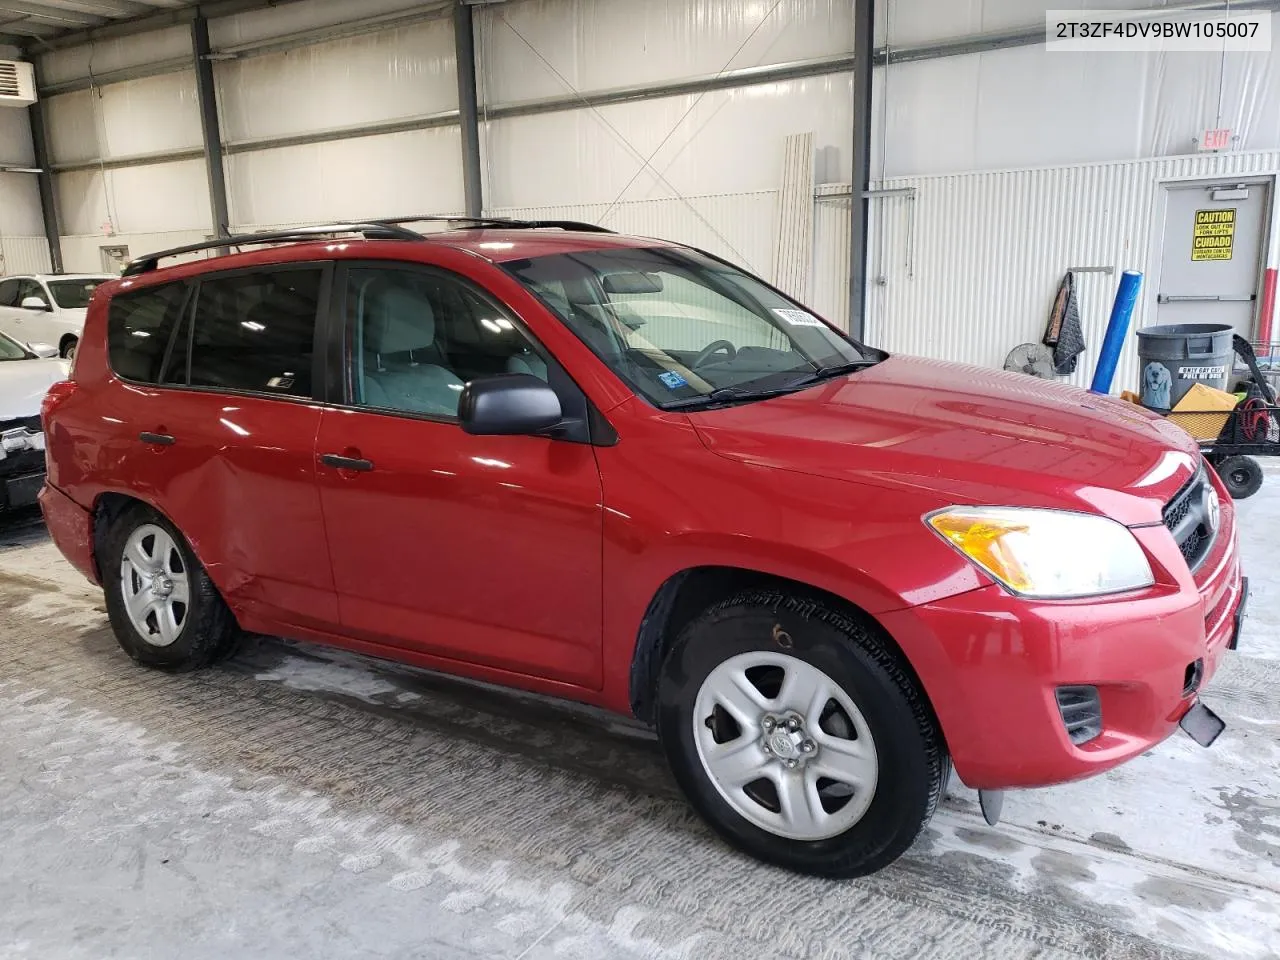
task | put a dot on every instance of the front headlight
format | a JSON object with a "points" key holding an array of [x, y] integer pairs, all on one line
{"points": [[1046, 553]]}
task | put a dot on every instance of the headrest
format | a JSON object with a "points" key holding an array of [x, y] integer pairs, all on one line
{"points": [[397, 320]]}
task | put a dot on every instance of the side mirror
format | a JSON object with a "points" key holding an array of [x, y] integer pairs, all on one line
{"points": [[43, 350], [34, 303], [508, 404]]}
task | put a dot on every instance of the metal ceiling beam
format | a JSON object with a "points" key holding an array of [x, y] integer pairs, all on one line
{"points": [[860, 206], [174, 16], [210, 129], [465, 66], [105, 8], [56, 15], [44, 184]]}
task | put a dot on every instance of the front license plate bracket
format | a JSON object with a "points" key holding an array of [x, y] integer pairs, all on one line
{"points": [[1202, 725]]}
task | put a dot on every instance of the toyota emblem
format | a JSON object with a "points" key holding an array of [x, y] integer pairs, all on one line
{"points": [[1212, 509]]}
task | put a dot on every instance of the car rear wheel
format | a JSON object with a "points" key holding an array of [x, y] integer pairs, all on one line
{"points": [[164, 609], [68, 348], [798, 736]]}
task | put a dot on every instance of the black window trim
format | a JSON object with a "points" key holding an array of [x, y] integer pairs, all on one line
{"points": [[339, 362]]}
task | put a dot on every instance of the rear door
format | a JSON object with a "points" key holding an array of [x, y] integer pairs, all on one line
{"points": [[479, 549], [221, 429]]}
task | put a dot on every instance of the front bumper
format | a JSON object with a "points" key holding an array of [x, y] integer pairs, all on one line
{"points": [[993, 663], [21, 466]]}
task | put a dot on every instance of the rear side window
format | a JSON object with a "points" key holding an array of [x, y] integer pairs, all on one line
{"points": [[8, 293], [139, 327], [257, 332]]}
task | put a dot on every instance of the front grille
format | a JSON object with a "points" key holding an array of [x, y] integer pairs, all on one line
{"points": [[1081, 711], [1187, 518]]}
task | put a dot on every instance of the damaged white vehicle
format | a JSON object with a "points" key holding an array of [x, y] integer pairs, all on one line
{"points": [[26, 373]]}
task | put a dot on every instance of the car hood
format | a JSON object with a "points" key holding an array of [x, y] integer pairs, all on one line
{"points": [[968, 434], [23, 384]]}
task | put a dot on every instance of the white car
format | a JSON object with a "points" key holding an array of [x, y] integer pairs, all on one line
{"points": [[48, 308], [25, 377]]}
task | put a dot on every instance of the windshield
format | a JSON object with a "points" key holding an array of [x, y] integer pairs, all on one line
{"points": [[10, 350], [683, 328], [74, 294]]}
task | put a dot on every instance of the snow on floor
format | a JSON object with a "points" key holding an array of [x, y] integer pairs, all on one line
{"points": [[308, 802]]}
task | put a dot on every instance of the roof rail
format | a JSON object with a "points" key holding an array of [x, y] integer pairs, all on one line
{"points": [[505, 223], [388, 228], [370, 229]]}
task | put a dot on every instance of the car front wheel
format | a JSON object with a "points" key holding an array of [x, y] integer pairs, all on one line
{"points": [[798, 736], [68, 349], [164, 609]]}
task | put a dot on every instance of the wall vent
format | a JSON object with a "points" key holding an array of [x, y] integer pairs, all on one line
{"points": [[17, 84]]}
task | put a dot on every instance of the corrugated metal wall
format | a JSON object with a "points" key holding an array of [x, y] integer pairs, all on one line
{"points": [[24, 255], [968, 269]]}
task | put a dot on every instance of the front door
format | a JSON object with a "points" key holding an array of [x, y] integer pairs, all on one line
{"points": [[1211, 263], [478, 549]]}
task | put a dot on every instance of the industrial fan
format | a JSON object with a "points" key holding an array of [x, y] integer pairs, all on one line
{"points": [[1031, 358]]}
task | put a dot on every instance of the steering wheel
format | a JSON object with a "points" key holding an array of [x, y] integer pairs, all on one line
{"points": [[711, 349]]}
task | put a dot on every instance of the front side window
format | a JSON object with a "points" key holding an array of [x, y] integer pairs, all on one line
{"points": [[418, 336], [140, 324], [11, 349], [74, 294], [256, 332], [29, 288], [684, 329]]}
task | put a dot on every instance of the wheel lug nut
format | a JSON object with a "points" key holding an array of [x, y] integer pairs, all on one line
{"points": [[808, 746], [767, 723], [791, 764], [793, 724]]}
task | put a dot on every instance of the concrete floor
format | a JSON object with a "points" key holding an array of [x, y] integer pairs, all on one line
{"points": [[298, 802]]}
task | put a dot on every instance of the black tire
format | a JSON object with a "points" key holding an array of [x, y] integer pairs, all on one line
{"points": [[68, 348], [1242, 476], [208, 632], [913, 766]]}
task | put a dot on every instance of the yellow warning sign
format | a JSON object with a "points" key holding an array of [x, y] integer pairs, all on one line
{"points": [[1215, 232]]}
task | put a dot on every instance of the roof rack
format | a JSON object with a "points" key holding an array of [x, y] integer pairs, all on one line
{"points": [[388, 228], [371, 230], [505, 223]]}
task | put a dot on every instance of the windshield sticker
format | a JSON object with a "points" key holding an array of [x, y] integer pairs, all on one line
{"points": [[799, 318], [673, 380]]}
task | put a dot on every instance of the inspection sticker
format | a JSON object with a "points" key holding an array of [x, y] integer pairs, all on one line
{"points": [[799, 318], [673, 380], [1213, 235]]}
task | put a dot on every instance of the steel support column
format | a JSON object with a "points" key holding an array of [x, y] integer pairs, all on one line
{"points": [[209, 126], [464, 42], [860, 205], [44, 181]]}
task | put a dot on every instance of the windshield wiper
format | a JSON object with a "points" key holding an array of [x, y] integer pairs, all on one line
{"points": [[748, 392]]}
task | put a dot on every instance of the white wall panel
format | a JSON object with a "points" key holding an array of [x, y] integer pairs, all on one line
{"points": [[1025, 105], [905, 22], [401, 173], [381, 76], [731, 142], [104, 56], [128, 119], [271, 22], [153, 198], [598, 44], [24, 255], [739, 227], [974, 275], [83, 254], [15, 138], [20, 205]]}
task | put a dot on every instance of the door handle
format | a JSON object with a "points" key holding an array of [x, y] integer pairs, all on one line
{"points": [[346, 463], [159, 439]]}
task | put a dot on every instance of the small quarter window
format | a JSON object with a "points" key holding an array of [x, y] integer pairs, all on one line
{"points": [[139, 326]]}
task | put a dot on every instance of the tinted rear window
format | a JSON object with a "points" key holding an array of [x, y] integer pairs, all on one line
{"points": [[257, 332], [139, 326]]}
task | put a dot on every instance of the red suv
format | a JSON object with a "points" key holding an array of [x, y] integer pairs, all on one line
{"points": [[625, 472]]}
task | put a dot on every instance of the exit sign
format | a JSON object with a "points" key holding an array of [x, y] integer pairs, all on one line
{"points": [[1215, 139]]}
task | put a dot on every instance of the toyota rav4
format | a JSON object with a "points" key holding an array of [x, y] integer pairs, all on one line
{"points": [[625, 472]]}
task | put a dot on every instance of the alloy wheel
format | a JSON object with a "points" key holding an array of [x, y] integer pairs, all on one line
{"points": [[155, 585]]}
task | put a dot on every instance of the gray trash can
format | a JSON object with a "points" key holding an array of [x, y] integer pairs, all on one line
{"points": [[1173, 357]]}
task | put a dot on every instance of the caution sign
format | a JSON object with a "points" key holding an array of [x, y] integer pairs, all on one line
{"points": [[1214, 234]]}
